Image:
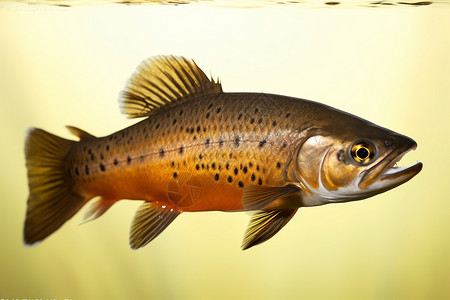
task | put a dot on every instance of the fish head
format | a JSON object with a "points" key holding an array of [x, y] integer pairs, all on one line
{"points": [[352, 162]]}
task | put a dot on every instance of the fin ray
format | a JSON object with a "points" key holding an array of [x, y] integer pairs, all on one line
{"points": [[51, 201], [148, 223], [164, 81], [265, 224], [97, 209], [256, 197]]}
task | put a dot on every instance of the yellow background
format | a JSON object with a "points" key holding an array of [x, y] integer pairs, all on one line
{"points": [[390, 65]]}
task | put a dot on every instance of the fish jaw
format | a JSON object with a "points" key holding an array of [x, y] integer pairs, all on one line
{"points": [[386, 174], [380, 177], [391, 176]]}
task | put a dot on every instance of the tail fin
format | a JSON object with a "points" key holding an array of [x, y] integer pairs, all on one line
{"points": [[51, 201]]}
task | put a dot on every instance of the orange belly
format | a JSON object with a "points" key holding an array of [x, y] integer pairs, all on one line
{"points": [[184, 191]]}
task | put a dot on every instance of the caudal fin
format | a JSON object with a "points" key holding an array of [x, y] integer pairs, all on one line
{"points": [[51, 201]]}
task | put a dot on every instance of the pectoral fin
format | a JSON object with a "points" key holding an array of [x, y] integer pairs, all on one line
{"points": [[265, 224], [149, 222], [256, 197]]}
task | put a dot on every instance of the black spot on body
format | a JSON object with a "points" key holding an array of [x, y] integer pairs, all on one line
{"points": [[86, 170], [198, 129], [227, 166], [288, 115], [236, 141], [102, 167], [262, 143], [128, 159], [191, 130], [260, 181], [220, 143], [284, 145], [207, 141], [157, 126], [216, 177], [245, 170], [207, 115], [240, 184], [218, 110], [173, 164], [116, 162], [107, 147], [252, 120], [274, 123], [197, 167], [229, 179], [175, 175], [253, 177], [213, 166], [181, 112], [260, 121], [174, 121], [256, 110], [161, 152], [210, 105], [236, 171], [76, 171], [240, 116], [200, 156], [250, 164], [278, 165]]}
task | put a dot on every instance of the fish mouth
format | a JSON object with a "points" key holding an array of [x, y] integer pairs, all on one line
{"points": [[386, 174]]}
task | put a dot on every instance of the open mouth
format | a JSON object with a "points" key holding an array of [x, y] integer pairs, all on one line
{"points": [[387, 174], [393, 171]]}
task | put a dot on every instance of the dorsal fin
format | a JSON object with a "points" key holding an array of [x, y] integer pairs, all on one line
{"points": [[163, 81]]}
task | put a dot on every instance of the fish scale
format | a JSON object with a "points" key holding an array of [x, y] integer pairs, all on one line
{"points": [[212, 143], [200, 149]]}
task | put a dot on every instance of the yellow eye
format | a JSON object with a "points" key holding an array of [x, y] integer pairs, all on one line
{"points": [[363, 152]]}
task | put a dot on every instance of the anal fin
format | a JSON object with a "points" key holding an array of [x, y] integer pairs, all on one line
{"points": [[149, 222], [98, 208], [265, 224]]}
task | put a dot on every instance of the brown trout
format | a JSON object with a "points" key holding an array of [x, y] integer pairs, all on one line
{"points": [[201, 149]]}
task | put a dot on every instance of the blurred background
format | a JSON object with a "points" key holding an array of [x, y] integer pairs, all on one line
{"points": [[390, 65]]}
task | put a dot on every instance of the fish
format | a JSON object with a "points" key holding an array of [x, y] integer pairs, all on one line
{"points": [[201, 149]]}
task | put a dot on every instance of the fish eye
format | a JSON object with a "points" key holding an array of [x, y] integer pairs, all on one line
{"points": [[363, 152]]}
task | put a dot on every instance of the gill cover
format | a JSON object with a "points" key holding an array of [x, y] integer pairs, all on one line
{"points": [[350, 167]]}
